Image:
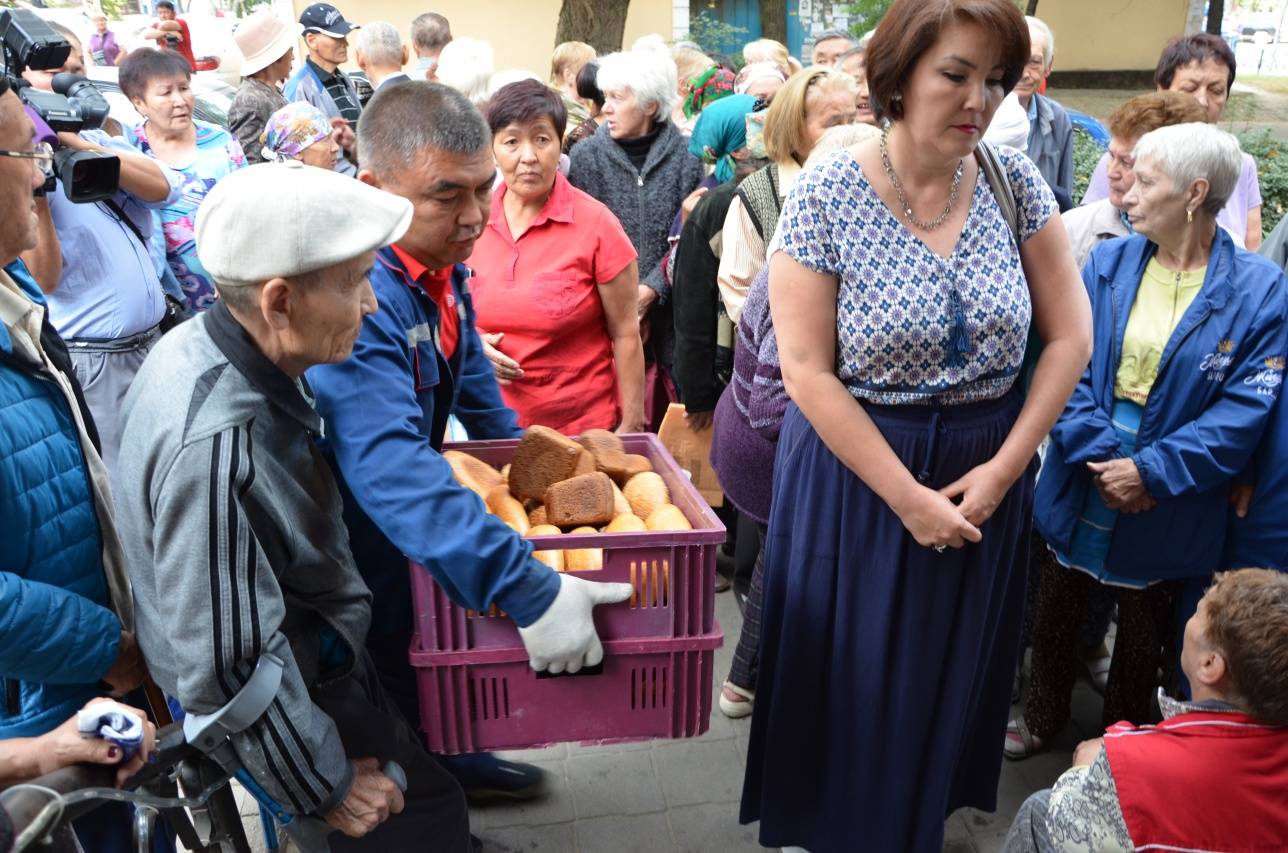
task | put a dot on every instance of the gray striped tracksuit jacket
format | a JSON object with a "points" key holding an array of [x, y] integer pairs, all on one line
{"points": [[235, 546]]}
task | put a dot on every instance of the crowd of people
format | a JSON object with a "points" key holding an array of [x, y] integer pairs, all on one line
{"points": [[957, 414]]}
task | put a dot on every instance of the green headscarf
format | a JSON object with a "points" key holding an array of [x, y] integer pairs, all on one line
{"points": [[720, 131]]}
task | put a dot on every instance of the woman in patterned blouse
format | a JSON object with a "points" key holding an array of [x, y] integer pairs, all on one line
{"points": [[903, 484], [159, 85]]}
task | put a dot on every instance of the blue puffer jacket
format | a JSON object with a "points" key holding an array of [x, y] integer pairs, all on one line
{"points": [[1216, 386], [57, 635]]}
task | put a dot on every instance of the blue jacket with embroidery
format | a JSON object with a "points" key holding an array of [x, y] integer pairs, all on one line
{"points": [[1217, 383], [385, 410], [58, 635]]}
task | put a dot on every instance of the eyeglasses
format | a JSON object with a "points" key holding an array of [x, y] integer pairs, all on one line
{"points": [[42, 152]]}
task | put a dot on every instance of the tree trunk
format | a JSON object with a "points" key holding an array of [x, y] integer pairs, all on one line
{"points": [[773, 20], [1216, 12], [1032, 8], [599, 23]]}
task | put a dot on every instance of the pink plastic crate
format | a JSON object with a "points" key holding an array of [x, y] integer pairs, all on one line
{"points": [[491, 699], [673, 572]]}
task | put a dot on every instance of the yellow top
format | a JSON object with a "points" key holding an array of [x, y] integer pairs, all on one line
{"points": [[1160, 304]]}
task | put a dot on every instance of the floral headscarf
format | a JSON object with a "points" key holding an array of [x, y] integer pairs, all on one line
{"points": [[291, 129], [709, 86], [720, 131]]}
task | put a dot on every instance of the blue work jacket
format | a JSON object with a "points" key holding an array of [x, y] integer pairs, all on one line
{"points": [[385, 410], [1217, 383], [58, 634]]}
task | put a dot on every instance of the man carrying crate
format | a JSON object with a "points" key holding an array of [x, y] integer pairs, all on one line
{"points": [[417, 360], [230, 520]]}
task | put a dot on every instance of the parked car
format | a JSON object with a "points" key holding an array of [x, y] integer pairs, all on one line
{"points": [[213, 96], [1090, 126]]}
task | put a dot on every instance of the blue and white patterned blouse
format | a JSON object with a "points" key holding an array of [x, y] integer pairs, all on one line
{"points": [[913, 327]]}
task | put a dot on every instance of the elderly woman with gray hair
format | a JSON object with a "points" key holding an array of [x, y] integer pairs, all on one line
{"points": [[1190, 335], [639, 165]]}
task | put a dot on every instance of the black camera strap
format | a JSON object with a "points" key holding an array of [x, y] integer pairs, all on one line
{"points": [[126, 220]]}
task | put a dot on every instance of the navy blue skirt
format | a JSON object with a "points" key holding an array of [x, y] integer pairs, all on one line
{"points": [[886, 667]]}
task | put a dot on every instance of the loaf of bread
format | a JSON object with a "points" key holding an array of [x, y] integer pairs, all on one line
{"points": [[621, 506], [646, 492], [553, 559], [537, 517], [543, 458], [585, 464], [668, 517], [503, 505], [474, 474], [626, 524], [611, 456], [583, 500], [584, 559]]}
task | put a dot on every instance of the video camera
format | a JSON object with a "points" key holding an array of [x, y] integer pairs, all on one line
{"points": [[74, 105]]}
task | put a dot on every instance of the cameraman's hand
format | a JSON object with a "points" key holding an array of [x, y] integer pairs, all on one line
{"points": [[67, 139], [370, 801]]}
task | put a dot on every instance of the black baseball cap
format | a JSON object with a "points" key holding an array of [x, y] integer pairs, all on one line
{"points": [[326, 19]]}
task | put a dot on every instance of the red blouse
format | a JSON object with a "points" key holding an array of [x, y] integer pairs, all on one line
{"points": [[541, 291]]}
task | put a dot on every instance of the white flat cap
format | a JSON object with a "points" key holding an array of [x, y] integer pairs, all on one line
{"points": [[276, 220]]}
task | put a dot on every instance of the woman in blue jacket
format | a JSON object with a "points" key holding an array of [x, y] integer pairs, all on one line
{"points": [[1189, 342]]}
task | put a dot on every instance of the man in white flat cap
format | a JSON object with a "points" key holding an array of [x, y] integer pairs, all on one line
{"points": [[231, 519]]}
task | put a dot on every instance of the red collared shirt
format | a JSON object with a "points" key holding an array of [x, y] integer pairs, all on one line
{"points": [[542, 292], [438, 285]]}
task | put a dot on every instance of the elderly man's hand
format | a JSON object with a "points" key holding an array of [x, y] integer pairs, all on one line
{"points": [[343, 136], [1119, 484], [507, 369], [372, 798], [129, 670]]}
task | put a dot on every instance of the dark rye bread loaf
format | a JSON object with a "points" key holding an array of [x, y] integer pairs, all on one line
{"points": [[583, 500], [543, 457], [611, 456]]}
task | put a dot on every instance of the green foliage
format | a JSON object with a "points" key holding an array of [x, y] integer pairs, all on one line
{"points": [[1086, 154], [864, 15], [113, 9], [715, 36], [1272, 173]]}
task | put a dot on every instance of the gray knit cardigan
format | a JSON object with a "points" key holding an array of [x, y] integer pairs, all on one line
{"points": [[644, 201]]}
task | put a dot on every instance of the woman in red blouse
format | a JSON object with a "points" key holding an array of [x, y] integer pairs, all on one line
{"points": [[556, 283]]}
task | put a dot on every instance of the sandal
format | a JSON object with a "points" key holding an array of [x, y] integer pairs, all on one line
{"points": [[736, 702], [1020, 743]]}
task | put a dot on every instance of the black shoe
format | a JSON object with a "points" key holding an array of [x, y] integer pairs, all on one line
{"points": [[487, 778], [476, 844]]}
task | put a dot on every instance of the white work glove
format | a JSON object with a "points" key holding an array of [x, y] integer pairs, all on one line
{"points": [[564, 638]]}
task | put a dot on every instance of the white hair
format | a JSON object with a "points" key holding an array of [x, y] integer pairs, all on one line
{"points": [[467, 66], [652, 42], [1040, 25], [649, 75], [756, 71], [838, 137], [504, 78], [1190, 152], [380, 45]]}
